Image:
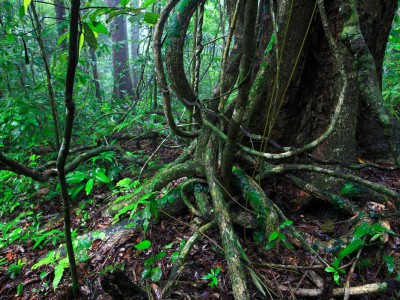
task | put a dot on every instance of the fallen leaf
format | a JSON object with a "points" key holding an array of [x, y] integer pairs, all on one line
{"points": [[156, 289], [96, 244], [11, 256]]}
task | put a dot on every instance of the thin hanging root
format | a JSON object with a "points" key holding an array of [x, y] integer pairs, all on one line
{"points": [[379, 287], [178, 266]]}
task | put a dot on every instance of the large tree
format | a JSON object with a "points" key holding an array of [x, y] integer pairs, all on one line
{"points": [[307, 74], [299, 84]]}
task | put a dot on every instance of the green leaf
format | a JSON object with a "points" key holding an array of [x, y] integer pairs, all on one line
{"points": [[160, 255], [151, 18], [169, 246], [98, 27], [99, 235], [26, 4], [289, 246], [49, 259], [353, 246], [273, 236], [58, 273], [76, 190], [20, 287], [362, 230], [146, 273], [21, 12], [150, 261], [364, 263], [147, 3], [286, 223], [330, 270], [62, 38], [90, 36], [336, 278], [124, 2], [389, 263], [156, 274], [350, 189], [81, 40], [336, 263], [10, 38], [208, 276], [175, 256], [75, 177], [375, 236], [270, 245], [100, 175], [213, 282], [89, 186], [143, 245], [124, 183], [271, 42]]}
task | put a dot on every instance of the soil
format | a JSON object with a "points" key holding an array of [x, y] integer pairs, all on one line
{"points": [[315, 219]]}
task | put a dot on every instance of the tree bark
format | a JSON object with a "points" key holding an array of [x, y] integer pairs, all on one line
{"points": [[123, 85]]}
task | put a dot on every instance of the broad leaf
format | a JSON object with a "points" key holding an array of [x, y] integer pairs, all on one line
{"points": [[75, 177], [353, 246], [156, 274], [151, 18], [389, 263], [143, 245], [98, 27], [58, 273], [273, 236], [26, 4], [89, 186], [147, 3], [124, 2], [100, 175]]}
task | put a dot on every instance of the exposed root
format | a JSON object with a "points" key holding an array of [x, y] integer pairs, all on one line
{"points": [[179, 263], [185, 198], [228, 235], [190, 168], [267, 218], [353, 291], [337, 201]]}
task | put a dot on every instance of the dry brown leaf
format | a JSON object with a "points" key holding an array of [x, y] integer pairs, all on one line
{"points": [[157, 290]]}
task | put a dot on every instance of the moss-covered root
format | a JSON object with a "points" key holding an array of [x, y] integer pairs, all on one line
{"points": [[229, 239], [337, 201], [178, 266], [185, 186], [267, 218], [190, 168]]}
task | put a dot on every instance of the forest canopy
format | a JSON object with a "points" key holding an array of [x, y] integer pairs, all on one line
{"points": [[199, 149]]}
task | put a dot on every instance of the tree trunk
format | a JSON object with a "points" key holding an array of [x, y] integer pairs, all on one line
{"points": [[123, 85], [59, 7], [308, 81]]}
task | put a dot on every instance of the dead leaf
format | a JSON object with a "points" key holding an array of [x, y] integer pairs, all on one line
{"points": [[375, 207], [43, 191], [11, 256], [96, 244], [157, 290]]}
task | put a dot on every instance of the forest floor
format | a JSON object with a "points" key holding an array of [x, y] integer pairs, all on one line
{"points": [[315, 219]]}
